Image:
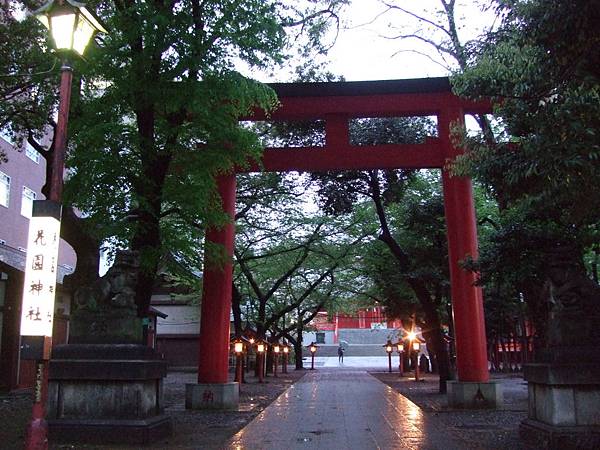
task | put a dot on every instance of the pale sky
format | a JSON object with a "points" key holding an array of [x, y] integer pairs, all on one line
{"points": [[362, 53]]}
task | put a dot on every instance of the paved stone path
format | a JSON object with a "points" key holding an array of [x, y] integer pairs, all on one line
{"points": [[337, 409]]}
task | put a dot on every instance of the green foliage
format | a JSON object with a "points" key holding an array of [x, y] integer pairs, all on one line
{"points": [[290, 259], [542, 70]]}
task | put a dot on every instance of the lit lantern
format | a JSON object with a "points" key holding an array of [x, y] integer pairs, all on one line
{"points": [[286, 349], [238, 346], [71, 24], [389, 347], [276, 348], [313, 349], [416, 346], [400, 347], [260, 347]]}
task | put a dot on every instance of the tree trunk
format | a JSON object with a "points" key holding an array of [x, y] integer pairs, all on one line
{"points": [[298, 344], [236, 309]]}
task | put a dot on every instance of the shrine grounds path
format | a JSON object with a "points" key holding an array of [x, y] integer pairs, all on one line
{"points": [[344, 407]]}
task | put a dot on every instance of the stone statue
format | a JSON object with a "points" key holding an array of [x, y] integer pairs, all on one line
{"points": [[105, 312], [573, 301], [116, 289]]}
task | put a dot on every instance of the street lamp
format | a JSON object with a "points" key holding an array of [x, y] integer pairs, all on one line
{"points": [[416, 346], [313, 349], [276, 351], [286, 353], [238, 349], [261, 347], [71, 26], [389, 348], [400, 349]]}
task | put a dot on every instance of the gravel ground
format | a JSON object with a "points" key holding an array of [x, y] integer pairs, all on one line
{"points": [[481, 429], [205, 430]]}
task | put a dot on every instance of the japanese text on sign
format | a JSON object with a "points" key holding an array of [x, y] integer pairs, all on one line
{"points": [[40, 277]]}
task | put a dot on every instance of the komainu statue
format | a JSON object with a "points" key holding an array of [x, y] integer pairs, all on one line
{"points": [[573, 302], [105, 312]]}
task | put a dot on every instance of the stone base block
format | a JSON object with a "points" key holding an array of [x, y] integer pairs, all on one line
{"points": [[105, 393], [540, 435], [473, 395], [87, 431], [212, 396]]}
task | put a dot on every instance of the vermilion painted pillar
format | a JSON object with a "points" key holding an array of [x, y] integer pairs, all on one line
{"points": [[216, 294], [467, 299]]}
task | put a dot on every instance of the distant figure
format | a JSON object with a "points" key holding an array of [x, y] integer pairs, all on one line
{"points": [[341, 354]]}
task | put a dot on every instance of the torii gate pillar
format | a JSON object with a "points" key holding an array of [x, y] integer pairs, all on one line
{"points": [[213, 390], [473, 388]]}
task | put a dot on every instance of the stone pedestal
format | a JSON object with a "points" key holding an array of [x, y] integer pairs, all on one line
{"points": [[473, 395], [106, 393], [564, 401], [212, 396]]}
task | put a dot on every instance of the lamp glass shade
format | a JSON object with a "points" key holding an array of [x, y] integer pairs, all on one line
{"points": [[260, 348], [416, 345], [83, 33], [71, 25], [286, 349], [388, 348], [238, 347], [313, 349], [62, 29], [276, 348], [400, 347]]}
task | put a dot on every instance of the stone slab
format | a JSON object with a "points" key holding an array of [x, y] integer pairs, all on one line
{"points": [[474, 395], [565, 373], [539, 435], [212, 396], [90, 431]]}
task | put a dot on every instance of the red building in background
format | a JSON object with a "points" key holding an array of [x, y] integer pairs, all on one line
{"points": [[328, 326]]}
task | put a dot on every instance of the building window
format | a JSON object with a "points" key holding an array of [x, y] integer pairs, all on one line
{"points": [[6, 136], [27, 202], [4, 189], [320, 336], [32, 154]]}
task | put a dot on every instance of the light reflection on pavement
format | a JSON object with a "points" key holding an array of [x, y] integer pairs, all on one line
{"points": [[338, 409]]}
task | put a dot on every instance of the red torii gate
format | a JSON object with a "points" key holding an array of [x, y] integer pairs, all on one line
{"points": [[336, 103]]}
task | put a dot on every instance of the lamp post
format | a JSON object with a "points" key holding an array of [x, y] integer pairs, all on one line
{"points": [[71, 27], [389, 348], [276, 350], [286, 353], [416, 346], [313, 349], [261, 346], [238, 349], [400, 348]]}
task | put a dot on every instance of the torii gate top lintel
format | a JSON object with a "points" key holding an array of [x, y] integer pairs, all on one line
{"points": [[337, 102]]}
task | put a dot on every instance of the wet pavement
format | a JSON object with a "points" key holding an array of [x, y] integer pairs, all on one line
{"points": [[343, 408]]}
